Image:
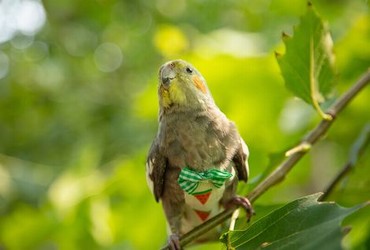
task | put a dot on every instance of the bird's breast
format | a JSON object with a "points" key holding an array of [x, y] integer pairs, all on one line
{"points": [[204, 202]]}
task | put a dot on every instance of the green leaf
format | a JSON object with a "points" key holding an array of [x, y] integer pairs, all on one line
{"points": [[302, 224], [308, 63]]}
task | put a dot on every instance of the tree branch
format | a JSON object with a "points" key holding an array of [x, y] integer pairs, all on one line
{"points": [[283, 169], [357, 150]]}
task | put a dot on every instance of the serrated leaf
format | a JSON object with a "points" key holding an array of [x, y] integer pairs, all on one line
{"points": [[308, 63], [302, 224]]}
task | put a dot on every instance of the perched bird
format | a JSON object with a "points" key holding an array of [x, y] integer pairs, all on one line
{"points": [[197, 157]]}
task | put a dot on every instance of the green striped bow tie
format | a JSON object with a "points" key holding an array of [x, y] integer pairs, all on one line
{"points": [[189, 179]]}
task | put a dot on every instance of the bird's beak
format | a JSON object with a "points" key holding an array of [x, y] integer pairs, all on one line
{"points": [[167, 73]]}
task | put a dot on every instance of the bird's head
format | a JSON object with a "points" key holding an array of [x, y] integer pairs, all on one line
{"points": [[181, 85]]}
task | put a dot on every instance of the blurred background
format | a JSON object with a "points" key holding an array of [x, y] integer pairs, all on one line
{"points": [[78, 110]]}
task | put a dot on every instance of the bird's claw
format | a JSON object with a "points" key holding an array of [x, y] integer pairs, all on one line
{"points": [[244, 203], [174, 242]]}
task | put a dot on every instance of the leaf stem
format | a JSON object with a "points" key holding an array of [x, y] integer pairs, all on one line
{"points": [[283, 169], [313, 85]]}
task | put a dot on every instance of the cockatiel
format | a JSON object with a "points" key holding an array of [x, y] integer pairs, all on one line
{"points": [[197, 157]]}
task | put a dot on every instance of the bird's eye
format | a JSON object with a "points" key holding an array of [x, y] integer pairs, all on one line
{"points": [[189, 70]]}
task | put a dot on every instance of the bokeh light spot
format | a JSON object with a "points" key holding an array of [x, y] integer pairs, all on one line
{"points": [[295, 116], [20, 16], [108, 57], [170, 40], [31, 17], [79, 41], [21, 41]]}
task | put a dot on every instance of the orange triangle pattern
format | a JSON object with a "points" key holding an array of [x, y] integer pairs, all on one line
{"points": [[203, 215], [203, 198]]}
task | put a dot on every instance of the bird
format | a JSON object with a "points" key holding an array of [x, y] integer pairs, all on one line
{"points": [[197, 156]]}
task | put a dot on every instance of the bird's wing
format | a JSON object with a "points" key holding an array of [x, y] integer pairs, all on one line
{"points": [[155, 169], [241, 161]]}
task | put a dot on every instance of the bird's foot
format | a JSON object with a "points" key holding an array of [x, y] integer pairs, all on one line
{"points": [[174, 242], [242, 202]]}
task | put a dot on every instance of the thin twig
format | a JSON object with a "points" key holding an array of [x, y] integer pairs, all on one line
{"points": [[282, 170], [357, 150]]}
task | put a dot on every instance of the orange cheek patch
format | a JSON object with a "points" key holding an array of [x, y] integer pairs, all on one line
{"points": [[199, 84]]}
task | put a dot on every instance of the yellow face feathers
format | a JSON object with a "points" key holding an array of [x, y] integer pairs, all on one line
{"points": [[181, 84], [173, 94]]}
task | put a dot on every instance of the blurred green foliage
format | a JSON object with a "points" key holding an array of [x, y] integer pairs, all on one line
{"points": [[78, 111]]}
